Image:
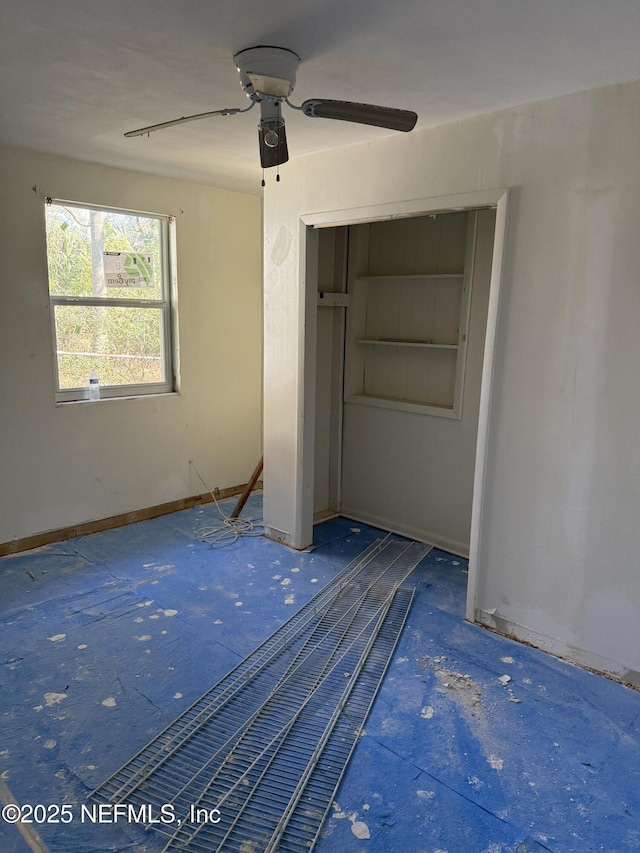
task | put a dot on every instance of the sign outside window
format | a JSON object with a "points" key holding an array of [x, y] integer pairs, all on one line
{"points": [[127, 269]]}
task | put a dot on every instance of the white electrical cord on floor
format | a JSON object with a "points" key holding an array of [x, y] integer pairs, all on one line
{"points": [[231, 529]]}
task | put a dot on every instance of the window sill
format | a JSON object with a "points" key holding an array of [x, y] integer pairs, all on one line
{"points": [[62, 403]]}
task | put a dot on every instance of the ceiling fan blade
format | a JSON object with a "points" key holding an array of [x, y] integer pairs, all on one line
{"points": [[388, 117], [231, 111], [272, 152]]}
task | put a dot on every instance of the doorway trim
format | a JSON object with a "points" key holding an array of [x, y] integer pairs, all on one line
{"points": [[494, 198]]}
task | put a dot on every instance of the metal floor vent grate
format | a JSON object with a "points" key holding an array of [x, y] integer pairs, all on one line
{"points": [[267, 746]]}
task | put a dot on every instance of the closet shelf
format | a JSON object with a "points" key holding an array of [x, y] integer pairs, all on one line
{"points": [[388, 342], [405, 405], [406, 333], [408, 278]]}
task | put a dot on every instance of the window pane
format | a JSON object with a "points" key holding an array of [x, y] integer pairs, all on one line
{"points": [[121, 346], [103, 253]]}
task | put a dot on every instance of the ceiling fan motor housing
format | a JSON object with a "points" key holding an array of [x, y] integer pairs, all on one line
{"points": [[267, 72]]}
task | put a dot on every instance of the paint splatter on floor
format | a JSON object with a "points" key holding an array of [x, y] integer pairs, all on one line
{"points": [[426, 795], [360, 829], [54, 698]]}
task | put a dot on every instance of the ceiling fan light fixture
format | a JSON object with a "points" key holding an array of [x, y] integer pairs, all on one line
{"points": [[271, 137], [272, 141]]}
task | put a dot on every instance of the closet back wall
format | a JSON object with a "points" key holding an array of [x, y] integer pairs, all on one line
{"points": [[408, 464]]}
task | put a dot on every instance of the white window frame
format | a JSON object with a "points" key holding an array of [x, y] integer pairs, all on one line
{"points": [[166, 304]]}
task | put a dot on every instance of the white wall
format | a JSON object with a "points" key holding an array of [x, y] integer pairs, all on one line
{"points": [[558, 561], [67, 464]]}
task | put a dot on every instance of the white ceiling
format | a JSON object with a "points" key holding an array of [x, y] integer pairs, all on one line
{"points": [[76, 74]]}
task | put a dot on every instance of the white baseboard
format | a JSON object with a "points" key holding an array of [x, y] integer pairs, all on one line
{"points": [[460, 549], [560, 649], [279, 536], [325, 515]]}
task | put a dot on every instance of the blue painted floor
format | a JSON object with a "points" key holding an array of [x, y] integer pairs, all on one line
{"points": [[475, 744]]}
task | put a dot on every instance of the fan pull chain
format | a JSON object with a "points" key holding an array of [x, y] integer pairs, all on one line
{"points": [[277, 176]]}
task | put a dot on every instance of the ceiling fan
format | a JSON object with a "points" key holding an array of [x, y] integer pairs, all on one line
{"points": [[268, 76]]}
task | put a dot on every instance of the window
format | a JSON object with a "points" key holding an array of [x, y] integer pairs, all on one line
{"points": [[109, 286]]}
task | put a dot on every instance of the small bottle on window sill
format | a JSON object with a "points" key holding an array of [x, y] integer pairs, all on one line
{"points": [[94, 388]]}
